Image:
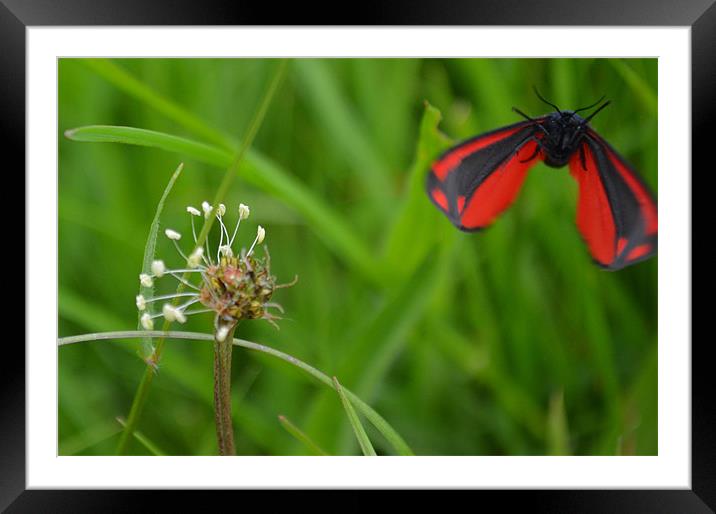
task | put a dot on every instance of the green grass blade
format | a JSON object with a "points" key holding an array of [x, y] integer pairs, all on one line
{"points": [[144, 440], [360, 433], [141, 137], [636, 82], [557, 431], [395, 439], [300, 435], [92, 315], [403, 250], [123, 80], [149, 252], [334, 113], [259, 171]]}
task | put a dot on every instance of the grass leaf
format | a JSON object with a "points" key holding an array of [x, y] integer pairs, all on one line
{"points": [[149, 253], [259, 171], [403, 250], [139, 436], [300, 435], [365, 445]]}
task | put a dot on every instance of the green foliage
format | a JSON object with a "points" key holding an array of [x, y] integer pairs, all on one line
{"points": [[509, 341]]}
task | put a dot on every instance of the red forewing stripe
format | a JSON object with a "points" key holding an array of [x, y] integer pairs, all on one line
{"points": [[648, 208], [453, 159], [439, 198]]}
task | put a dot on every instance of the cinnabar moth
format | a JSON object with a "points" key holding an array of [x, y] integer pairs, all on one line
{"points": [[474, 181]]}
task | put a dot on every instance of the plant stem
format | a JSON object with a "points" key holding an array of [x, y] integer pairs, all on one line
{"points": [[222, 391]]}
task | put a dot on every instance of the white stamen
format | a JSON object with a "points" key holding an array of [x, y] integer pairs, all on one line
{"points": [[141, 302], [260, 235], [169, 297], [221, 210], [180, 316], [147, 322], [207, 208], [146, 280], [158, 268], [195, 258], [243, 211], [187, 284], [172, 234], [193, 211], [222, 332], [221, 238], [226, 251]]}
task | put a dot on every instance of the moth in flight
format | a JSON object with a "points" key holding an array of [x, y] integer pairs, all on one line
{"points": [[474, 181]]}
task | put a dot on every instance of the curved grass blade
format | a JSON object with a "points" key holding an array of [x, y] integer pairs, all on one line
{"points": [[139, 436], [396, 441], [300, 435], [403, 251], [365, 445], [119, 77], [637, 83], [149, 252], [259, 171]]}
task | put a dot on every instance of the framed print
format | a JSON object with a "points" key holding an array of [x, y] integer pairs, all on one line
{"points": [[466, 278]]}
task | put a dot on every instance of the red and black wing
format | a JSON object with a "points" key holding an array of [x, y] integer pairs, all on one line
{"points": [[473, 182], [616, 212]]}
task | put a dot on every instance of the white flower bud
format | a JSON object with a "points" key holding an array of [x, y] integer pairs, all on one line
{"points": [[169, 312], [172, 234], [195, 258], [141, 302], [146, 280], [260, 235], [206, 207], [158, 268], [243, 211], [193, 211], [147, 321]]}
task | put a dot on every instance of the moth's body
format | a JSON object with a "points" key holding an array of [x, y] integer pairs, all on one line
{"points": [[562, 135]]}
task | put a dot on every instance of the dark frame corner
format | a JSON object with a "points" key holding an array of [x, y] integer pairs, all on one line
{"points": [[700, 15]]}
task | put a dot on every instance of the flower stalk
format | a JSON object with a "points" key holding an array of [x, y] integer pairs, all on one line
{"points": [[223, 343]]}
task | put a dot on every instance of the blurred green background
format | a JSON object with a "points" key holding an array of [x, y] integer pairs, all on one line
{"points": [[504, 342]]}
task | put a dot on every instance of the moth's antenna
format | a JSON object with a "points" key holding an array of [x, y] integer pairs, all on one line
{"points": [[530, 119], [589, 106], [522, 114], [595, 112], [545, 101]]}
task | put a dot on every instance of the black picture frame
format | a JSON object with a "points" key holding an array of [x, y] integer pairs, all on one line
{"points": [[700, 15]]}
